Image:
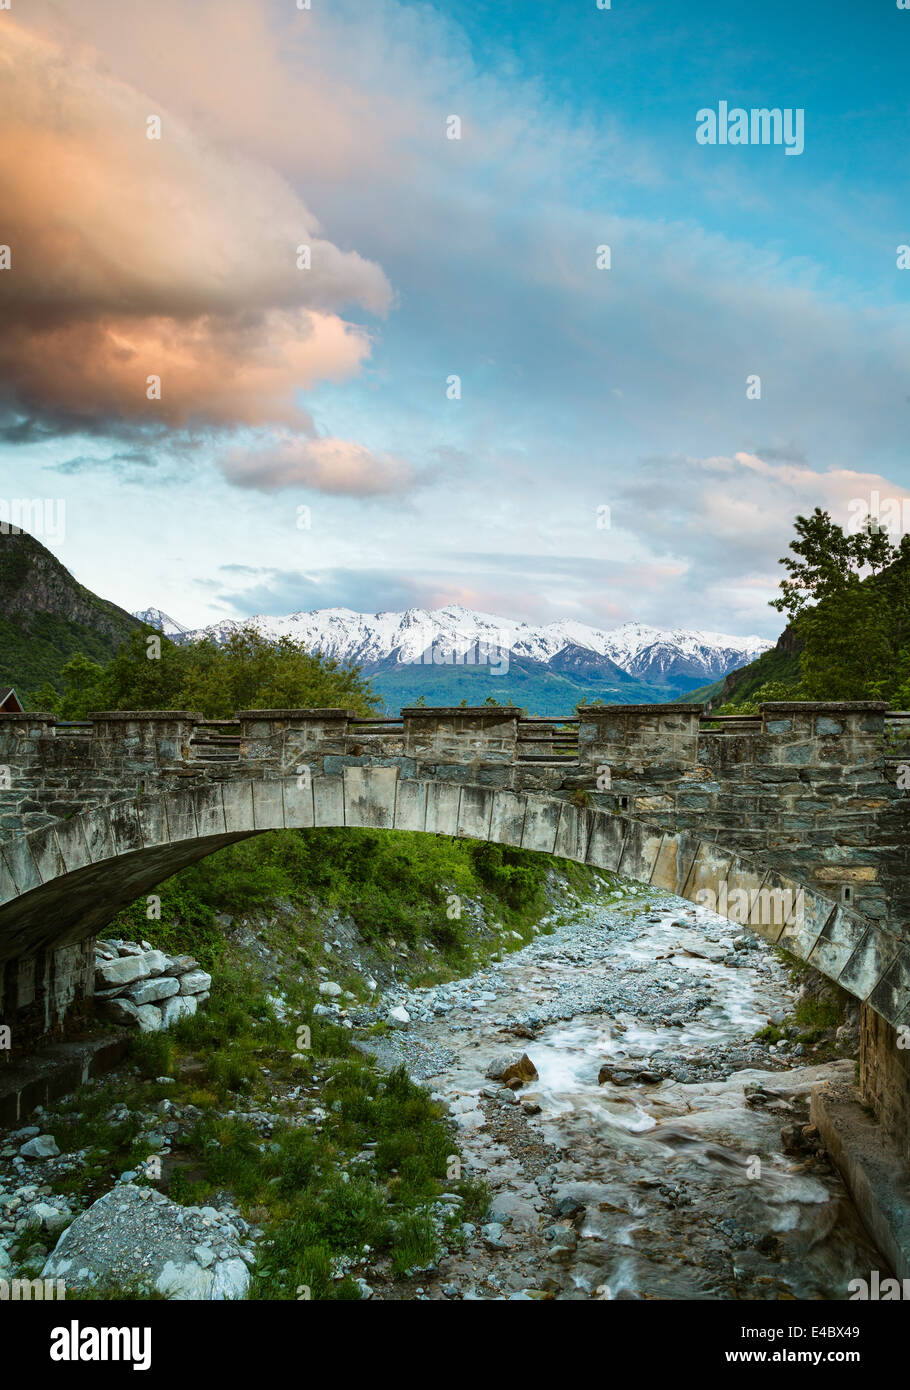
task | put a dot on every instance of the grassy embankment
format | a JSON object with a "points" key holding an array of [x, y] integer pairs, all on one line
{"points": [[319, 1191]]}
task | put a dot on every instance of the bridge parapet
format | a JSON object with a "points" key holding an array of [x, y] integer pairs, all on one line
{"points": [[149, 738], [824, 732], [629, 738], [484, 733], [282, 738]]}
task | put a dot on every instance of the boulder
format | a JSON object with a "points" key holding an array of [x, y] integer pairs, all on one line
{"points": [[121, 1011], [195, 982], [147, 991], [232, 1278], [149, 1018], [513, 1069], [156, 962], [122, 971], [178, 1006], [50, 1219], [330, 989], [179, 965], [45, 1146], [133, 1235], [398, 1017], [624, 1074]]}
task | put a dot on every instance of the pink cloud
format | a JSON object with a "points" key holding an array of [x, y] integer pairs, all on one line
{"points": [[134, 257], [327, 465]]}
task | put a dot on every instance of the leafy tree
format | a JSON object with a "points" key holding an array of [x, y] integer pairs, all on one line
{"points": [[144, 676], [770, 690], [46, 697], [848, 600], [248, 672], [82, 683]]}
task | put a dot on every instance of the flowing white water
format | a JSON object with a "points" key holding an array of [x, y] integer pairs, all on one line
{"points": [[685, 1188]]}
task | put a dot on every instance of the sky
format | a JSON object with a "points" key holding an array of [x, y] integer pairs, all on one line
{"points": [[345, 330]]}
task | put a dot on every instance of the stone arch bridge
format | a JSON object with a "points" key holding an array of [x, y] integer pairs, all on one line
{"points": [[793, 819]]}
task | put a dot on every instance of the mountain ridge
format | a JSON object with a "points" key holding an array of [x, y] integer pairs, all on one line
{"points": [[47, 616], [454, 653]]}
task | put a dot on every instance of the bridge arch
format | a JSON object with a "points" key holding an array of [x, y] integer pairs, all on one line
{"points": [[799, 803], [67, 881]]}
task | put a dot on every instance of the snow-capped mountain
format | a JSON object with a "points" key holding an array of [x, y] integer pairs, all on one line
{"points": [[382, 640], [155, 618]]}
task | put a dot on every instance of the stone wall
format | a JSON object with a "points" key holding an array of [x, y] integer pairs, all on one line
{"points": [[43, 993], [49, 771], [139, 987], [807, 788], [885, 1076]]}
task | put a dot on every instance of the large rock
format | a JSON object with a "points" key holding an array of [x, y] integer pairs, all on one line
{"points": [[179, 965], [122, 971], [689, 945], [195, 982], [178, 1006], [625, 1073], [148, 991], [121, 1011], [149, 1018], [136, 1235], [45, 1146], [48, 1218], [157, 962], [512, 1068]]}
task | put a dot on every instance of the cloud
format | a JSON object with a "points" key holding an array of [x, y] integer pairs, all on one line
{"points": [[337, 466], [134, 257], [178, 250], [276, 593], [593, 591], [127, 463], [731, 518]]}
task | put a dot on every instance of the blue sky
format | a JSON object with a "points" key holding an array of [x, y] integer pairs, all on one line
{"points": [[581, 388]]}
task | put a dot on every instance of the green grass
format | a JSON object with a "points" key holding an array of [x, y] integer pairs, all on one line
{"points": [[398, 886], [321, 1195], [816, 1014], [367, 1166]]}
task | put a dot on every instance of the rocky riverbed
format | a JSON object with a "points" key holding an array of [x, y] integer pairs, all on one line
{"points": [[660, 1152], [629, 1105]]}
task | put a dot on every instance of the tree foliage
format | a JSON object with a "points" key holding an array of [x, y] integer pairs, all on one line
{"points": [[249, 671], [847, 597]]}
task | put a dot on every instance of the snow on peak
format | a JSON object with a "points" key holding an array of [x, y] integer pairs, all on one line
{"points": [[369, 638], [155, 618]]}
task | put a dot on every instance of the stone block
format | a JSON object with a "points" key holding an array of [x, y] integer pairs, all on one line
{"points": [[194, 982], [122, 971], [178, 1006], [148, 991]]}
